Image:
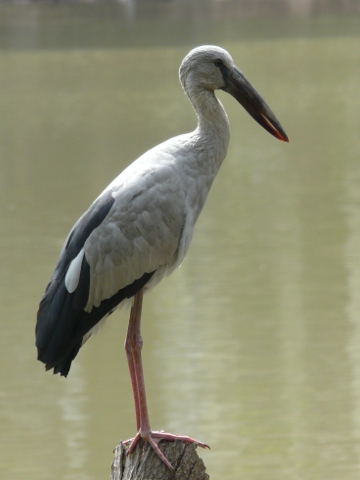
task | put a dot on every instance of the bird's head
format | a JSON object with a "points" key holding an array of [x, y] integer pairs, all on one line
{"points": [[212, 68]]}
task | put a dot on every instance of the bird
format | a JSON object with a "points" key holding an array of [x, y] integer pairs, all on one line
{"points": [[139, 229]]}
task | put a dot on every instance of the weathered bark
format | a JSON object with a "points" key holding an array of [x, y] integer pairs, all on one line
{"points": [[144, 464]]}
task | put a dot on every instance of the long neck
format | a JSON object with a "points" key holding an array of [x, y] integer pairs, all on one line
{"points": [[213, 124], [207, 146]]}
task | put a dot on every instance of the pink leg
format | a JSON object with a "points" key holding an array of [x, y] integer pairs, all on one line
{"points": [[133, 346], [129, 342]]}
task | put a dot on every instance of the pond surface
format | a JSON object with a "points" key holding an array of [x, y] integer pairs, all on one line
{"points": [[253, 345]]}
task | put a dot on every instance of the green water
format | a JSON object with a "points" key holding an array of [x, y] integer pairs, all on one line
{"points": [[253, 345]]}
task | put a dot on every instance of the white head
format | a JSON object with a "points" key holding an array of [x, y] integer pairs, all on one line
{"points": [[210, 68], [200, 67]]}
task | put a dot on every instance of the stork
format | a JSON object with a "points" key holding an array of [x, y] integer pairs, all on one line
{"points": [[140, 227]]}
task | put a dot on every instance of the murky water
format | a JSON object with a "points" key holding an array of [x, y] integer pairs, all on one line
{"points": [[253, 344]]}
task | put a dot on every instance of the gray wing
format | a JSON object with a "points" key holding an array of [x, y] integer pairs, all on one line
{"points": [[130, 232]]}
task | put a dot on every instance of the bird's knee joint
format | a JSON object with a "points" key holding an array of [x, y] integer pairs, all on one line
{"points": [[133, 344]]}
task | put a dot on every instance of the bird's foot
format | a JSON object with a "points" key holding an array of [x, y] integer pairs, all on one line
{"points": [[155, 437]]}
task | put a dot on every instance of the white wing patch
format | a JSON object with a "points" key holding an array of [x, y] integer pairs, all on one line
{"points": [[73, 274]]}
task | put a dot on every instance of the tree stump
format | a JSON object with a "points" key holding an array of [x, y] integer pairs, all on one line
{"points": [[144, 464]]}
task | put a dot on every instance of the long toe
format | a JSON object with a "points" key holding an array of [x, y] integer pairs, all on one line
{"points": [[153, 438], [171, 438], [154, 442]]}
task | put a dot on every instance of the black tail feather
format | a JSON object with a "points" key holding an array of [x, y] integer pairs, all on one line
{"points": [[61, 326]]}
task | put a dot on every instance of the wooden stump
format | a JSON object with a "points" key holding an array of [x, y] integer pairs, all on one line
{"points": [[144, 464]]}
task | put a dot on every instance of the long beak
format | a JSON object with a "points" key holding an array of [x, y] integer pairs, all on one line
{"points": [[240, 88]]}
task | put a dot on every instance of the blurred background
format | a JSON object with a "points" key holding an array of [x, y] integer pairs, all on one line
{"points": [[253, 345]]}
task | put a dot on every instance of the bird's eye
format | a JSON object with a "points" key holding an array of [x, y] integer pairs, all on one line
{"points": [[218, 63]]}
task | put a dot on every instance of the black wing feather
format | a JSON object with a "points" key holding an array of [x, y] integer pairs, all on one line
{"points": [[61, 319], [72, 325]]}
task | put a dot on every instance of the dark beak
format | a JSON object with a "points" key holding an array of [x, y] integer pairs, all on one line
{"points": [[240, 88]]}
